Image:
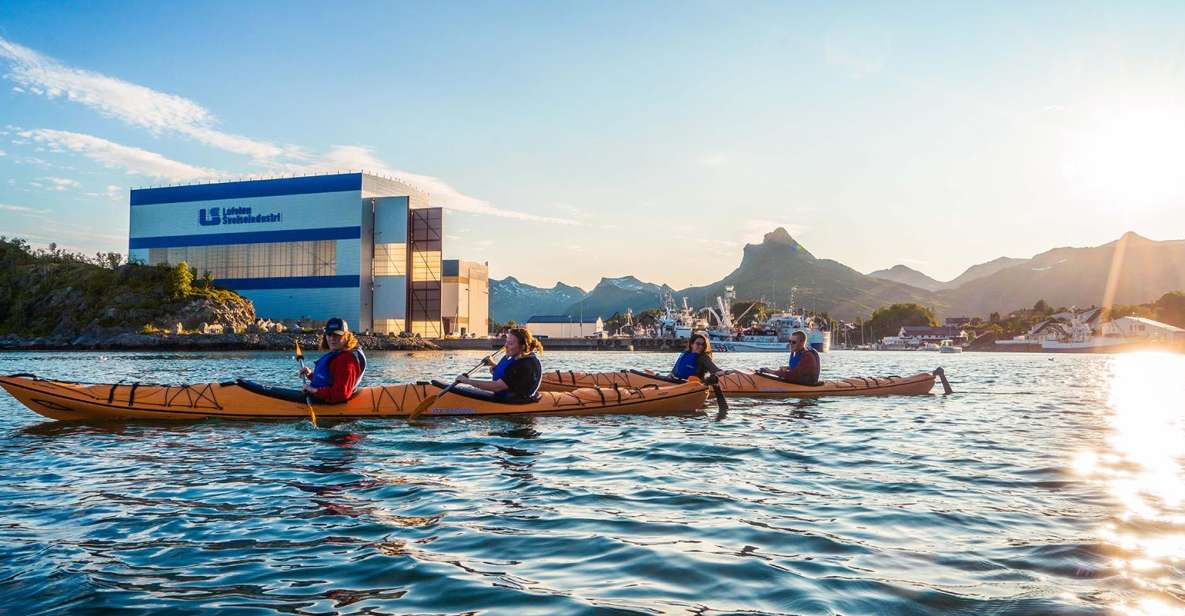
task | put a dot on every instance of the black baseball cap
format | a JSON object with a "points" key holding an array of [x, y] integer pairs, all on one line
{"points": [[336, 325]]}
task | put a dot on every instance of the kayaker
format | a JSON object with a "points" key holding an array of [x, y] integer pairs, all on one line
{"points": [[696, 360], [803, 368], [517, 376], [336, 374]]}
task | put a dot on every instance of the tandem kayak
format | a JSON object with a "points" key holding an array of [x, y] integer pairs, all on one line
{"points": [[241, 399], [749, 384]]}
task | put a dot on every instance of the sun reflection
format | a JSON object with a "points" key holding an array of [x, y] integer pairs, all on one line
{"points": [[1144, 472]]}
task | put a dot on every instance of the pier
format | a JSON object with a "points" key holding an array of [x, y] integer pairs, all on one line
{"points": [[667, 345]]}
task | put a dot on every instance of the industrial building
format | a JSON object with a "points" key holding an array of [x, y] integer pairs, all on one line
{"points": [[465, 299], [355, 245]]}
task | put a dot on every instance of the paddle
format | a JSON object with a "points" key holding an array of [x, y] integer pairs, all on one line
{"points": [[426, 403], [721, 403], [307, 403]]}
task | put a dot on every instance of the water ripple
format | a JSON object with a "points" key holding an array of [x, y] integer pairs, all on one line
{"points": [[1045, 488]]}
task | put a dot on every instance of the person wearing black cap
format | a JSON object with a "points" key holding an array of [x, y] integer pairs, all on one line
{"points": [[336, 374]]}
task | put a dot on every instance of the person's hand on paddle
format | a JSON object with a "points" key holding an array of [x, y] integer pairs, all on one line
{"points": [[463, 379], [308, 389], [487, 362], [305, 372]]}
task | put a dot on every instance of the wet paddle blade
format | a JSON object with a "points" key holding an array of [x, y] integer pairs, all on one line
{"points": [[424, 405]]}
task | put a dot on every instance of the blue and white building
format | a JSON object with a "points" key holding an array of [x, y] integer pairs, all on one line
{"points": [[355, 245]]}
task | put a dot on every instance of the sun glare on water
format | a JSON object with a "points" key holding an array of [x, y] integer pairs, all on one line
{"points": [[1143, 466]]}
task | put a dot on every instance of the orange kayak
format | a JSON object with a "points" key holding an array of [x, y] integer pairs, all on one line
{"points": [[68, 401], [748, 384]]}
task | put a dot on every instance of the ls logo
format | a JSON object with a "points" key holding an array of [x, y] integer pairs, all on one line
{"points": [[211, 219]]}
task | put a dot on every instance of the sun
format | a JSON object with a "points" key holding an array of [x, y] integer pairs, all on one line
{"points": [[1129, 154]]}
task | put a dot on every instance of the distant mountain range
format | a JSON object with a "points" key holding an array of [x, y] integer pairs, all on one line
{"points": [[1143, 270], [1062, 277], [914, 278], [511, 300]]}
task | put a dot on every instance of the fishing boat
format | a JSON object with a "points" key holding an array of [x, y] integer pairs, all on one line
{"points": [[770, 335]]}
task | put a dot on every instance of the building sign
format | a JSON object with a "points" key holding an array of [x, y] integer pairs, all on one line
{"points": [[209, 217]]}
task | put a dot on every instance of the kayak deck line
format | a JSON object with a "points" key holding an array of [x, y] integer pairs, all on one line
{"points": [[752, 384], [71, 401]]}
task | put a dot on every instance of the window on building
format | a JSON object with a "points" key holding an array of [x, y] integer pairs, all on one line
{"points": [[390, 259], [275, 260]]}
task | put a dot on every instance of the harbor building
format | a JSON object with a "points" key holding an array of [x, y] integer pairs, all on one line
{"points": [[465, 299], [355, 245], [565, 326]]}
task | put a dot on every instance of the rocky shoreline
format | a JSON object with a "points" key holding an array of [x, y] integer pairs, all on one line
{"points": [[247, 341]]}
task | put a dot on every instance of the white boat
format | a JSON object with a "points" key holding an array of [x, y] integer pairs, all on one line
{"points": [[768, 336], [948, 347], [675, 323], [1083, 340]]}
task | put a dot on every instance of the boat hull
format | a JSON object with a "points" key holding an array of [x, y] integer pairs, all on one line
{"points": [[752, 385], [67, 401]]}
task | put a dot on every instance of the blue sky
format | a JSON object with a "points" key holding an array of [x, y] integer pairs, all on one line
{"points": [[572, 141]]}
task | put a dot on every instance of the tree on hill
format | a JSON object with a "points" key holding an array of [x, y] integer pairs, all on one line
{"points": [[888, 320], [1170, 308]]}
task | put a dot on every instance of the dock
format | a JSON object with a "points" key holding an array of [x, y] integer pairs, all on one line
{"points": [[665, 345]]}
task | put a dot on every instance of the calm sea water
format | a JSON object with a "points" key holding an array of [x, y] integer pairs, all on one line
{"points": [[1044, 485]]}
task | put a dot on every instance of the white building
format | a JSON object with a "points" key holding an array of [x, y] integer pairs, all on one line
{"points": [[1144, 329], [564, 326]]}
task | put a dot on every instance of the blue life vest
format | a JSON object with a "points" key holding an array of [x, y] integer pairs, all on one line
{"points": [[795, 358], [322, 377], [686, 366], [499, 372]]}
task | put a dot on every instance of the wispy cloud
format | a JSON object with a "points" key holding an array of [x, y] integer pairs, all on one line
{"points": [[131, 103], [160, 112], [60, 184], [440, 192], [714, 159], [20, 209], [117, 156]]}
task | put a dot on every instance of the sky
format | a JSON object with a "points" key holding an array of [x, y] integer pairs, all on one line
{"points": [[571, 141]]}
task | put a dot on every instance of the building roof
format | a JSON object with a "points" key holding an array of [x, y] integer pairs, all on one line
{"points": [[1151, 323], [561, 318]]}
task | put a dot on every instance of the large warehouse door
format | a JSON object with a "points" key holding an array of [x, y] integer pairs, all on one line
{"points": [[424, 245]]}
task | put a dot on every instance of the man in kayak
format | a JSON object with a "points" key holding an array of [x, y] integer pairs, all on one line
{"points": [[336, 374], [696, 360], [803, 368], [516, 378]]}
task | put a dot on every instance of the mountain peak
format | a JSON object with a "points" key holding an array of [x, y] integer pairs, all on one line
{"points": [[778, 243], [778, 236]]}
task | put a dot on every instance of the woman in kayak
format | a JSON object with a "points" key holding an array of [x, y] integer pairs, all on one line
{"points": [[335, 376], [516, 378], [696, 360], [803, 368]]}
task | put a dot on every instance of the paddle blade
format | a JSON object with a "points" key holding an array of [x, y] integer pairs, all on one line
{"points": [[299, 355], [424, 405], [721, 402]]}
